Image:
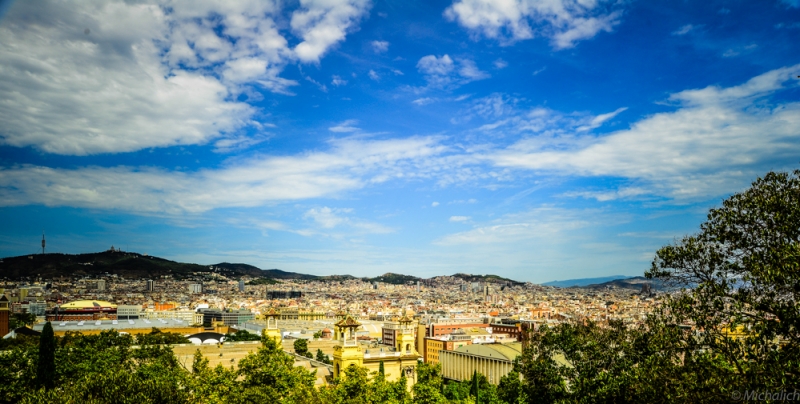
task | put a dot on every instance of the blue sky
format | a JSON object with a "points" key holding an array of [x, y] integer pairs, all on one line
{"points": [[537, 140]]}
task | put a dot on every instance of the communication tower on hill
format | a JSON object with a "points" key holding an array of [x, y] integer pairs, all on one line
{"points": [[42, 242]]}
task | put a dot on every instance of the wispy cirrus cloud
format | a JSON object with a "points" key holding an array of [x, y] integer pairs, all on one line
{"points": [[717, 140], [349, 165], [565, 22], [445, 73], [347, 126]]}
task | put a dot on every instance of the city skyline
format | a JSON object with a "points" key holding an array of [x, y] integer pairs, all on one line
{"points": [[536, 141]]}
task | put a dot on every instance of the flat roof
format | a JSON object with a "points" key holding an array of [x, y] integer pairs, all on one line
{"points": [[121, 325]]}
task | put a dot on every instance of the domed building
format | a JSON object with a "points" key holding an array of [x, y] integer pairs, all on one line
{"points": [[81, 310]]}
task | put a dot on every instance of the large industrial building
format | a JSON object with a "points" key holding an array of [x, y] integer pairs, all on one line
{"points": [[83, 310], [491, 360]]}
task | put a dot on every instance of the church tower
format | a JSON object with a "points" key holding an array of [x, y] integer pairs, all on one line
{"points": [[405, 338], [347, 352], [271, 330]]}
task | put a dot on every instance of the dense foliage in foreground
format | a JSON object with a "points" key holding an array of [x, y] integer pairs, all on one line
{"points": [[734, 332]]}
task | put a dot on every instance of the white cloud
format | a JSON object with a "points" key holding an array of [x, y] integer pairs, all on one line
{"points": [[380, 46], [349, 165], [423, 101], [435, 66], [345, 127], [231, 144], [716, 141], [610, 195], [443, 72], [338, 81], [500, 64], [459, 218], [373, 75], [544, 223], [434, 204], [323, 23], [330, 218], [134, 76], [683, 30], [565, 22], [326, 217]]}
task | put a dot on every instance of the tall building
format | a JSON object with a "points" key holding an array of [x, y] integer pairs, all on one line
{"points": [[241, 285], [151, 285], [196, 288], [5, 316], [101, 285]]}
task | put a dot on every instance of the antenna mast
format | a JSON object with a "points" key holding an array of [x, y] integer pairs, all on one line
{"points": [[42, 242]]}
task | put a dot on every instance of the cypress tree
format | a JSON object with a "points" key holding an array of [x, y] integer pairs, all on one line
{"points": [[475, 385], [46, 367], [380, 369]]}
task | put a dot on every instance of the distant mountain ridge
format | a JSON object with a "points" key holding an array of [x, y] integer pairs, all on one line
{"points": [[142, 266], [634, 283], [580, 282]]}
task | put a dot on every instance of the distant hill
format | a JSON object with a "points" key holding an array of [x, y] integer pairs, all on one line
{"points": [[486, 278], [124, 264], [584, 281], [394, 279], [270, 273], [634, 283]]}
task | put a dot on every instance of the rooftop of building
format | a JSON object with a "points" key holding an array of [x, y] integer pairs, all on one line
{"points": [[501, 351], [119, 325], [87, 304]]}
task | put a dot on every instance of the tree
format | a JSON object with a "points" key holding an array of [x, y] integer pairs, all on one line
{"points": [[200, 363], [301, 346], [510, 388], [242, 335], [46, 364], [321, 357], [741, 279], [21, 320], [381, 370], [475, 387], [428, 389]]}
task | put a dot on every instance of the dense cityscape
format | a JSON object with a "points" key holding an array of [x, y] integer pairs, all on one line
{"points": [[446, 313]]}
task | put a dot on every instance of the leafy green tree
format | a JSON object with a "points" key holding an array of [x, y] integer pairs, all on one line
{"points": [[475, 387], [301, 346], [321, 357], [46, 364], [21, 320], [428, 389], [157, 337], [18, 375], [381, 369], [241, 335], [742, 279], [199, 363], [269, 375], [510, 388]]}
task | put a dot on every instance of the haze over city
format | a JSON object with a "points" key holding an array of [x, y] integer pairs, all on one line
{"points": [[535, 141]]}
